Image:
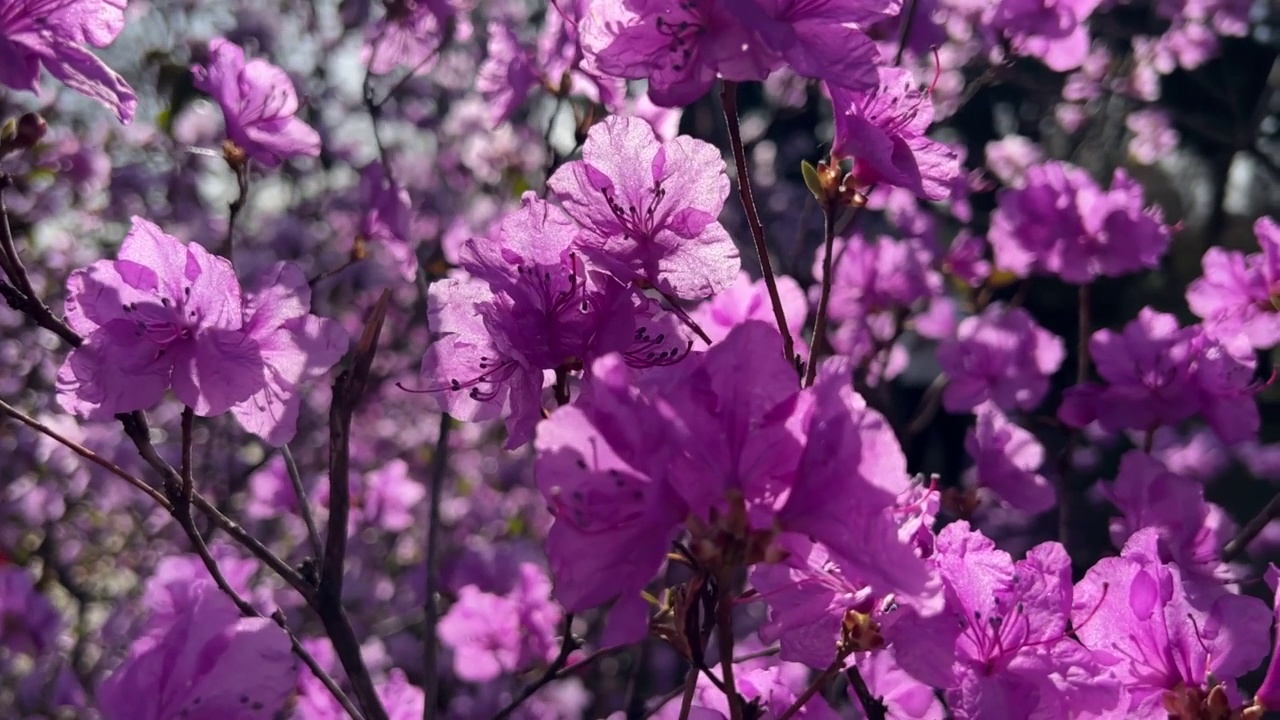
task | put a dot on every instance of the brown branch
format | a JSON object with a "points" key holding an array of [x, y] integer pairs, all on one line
{"points": [[724, 638], [1251, 530], [824, 300], [241, 169], [815, 687], [872, 706], [304, 506], [567, 645], [729, 102], [347, 392], [85, 453], [439, 466]]}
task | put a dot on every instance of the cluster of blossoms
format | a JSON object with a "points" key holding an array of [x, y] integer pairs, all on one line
{"points": [[519, 433]]}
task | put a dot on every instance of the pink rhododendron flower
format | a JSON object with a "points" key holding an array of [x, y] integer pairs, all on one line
{"points": [[258, 104]]}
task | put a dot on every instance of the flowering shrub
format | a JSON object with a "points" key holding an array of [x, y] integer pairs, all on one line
{"points": [[639, 358]]}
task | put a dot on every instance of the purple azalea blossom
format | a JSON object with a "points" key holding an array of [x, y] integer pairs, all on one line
{"points": [[258, 104], [1060, 222], [387, 219], [1191, 531], [1268, 695], [1001, 647], [749, 300], [532, 304], [507, 74], [1001, 355], [883, 130], [808, 597], [648, 209], [1007, 460], [410, 34], [1147, 371], [775, 689], [679, 46], [1165, 633], [492, 635], [52, 34], [202, 662], [592, 467], [162, 314], [1237, 295], [294, 347], [1050, 30]]}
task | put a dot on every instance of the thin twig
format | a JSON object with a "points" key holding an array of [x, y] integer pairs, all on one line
{"points": [[347, 393], [1067, 499], [724, 635], [22, 296], [85, 453], [815, 687], [319, 672], [1237, 545], [567, 645], [242, 196], [182, 513], [690, 686], [729, 102], [824, 300], [304, 507], [872, 706], [439, 466]]}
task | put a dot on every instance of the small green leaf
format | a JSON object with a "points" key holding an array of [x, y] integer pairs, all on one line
{"points": [[811, 180]]}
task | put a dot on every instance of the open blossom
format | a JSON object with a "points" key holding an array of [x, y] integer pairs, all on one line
{"points": [[1191, 531], [1165, 633], [1237, 294], [162, 314], [883, 130], [649, 209], [593, 469], [531, 304], [293, 345], [1052, 31], [1060, 222], [1001, 648], [52, 34], [734, 428], [1157, 373], [410, 33], [507, 74], [682, 47], [749, 300], [387, 219], [258, 104], [203, 661], [1007, 460], [492, 635], [1147, 370], [1268, 695], [809, 596], [774, 689], [1001, 355]]}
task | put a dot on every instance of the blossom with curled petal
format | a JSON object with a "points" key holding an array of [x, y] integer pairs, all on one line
{"points": [[259, 104], [883, 129], [52, 34]]}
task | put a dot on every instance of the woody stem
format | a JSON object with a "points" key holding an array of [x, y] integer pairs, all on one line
{"points": [[729, 101]]}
